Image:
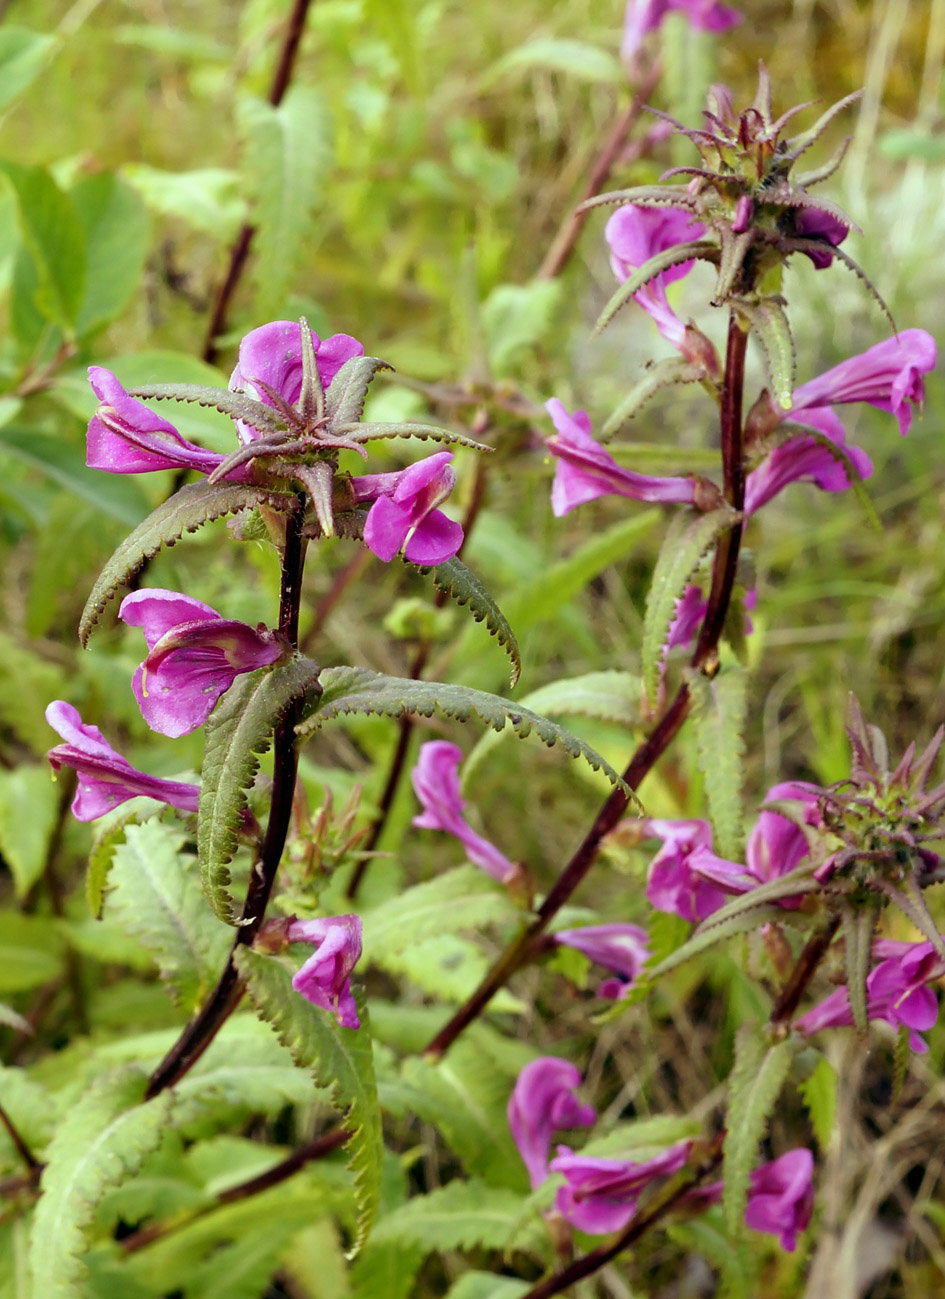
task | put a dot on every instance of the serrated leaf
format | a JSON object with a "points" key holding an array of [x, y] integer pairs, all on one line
{"points": [[769, 321], [30, 952], [661, 374], [238, 731], [339, 1058], [842, 456], [101, 858], [858, 929], [358, 690], [344, 400], [688, 539], [186, 511], [755, 1083], [461, 584], [234, 403], [819, 1093], [370, 432], [718, 717], [459, 900], [287, 152], [156, 898], [461, 1215], [386, 1270], [29, 803], [101, 1140], [708, 934], [654, 266]]}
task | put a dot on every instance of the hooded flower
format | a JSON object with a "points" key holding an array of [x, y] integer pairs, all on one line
{"points": [[542, 1102], [643, 16], [436, 783], [806, 459], [600, 1195], [404, 514], [619, 947], [270, 358], [586, 470], [106, 779], [194, 656], [635, 234], [325, 978], [780, 1196], [673, 880]]}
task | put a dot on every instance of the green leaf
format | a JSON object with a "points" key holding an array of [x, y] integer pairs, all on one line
{"points": [[688, 538], [238, 731], [234, 403], [487, 1285], [101, 858], [754, 1086], [344, 400], [819, 1093], [186, 511], [117, 236], [23, 55], [287, 155], [748, 918], [207, 198], [53, 234], [718, 717], [648, 271], [29, 806], [769, 321], [461, 1215], [120, 498], [30, 952], [515, 318], [573, 58], [859, 926], [384, 1270], [101, 1140], [459, 900], [156, 898], [461, 584], [661, 374], [340, 1058], [358, 690]]}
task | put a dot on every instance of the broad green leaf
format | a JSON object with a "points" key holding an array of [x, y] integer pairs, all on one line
{"points": [[53, 234], [754, 1086], [120, 498], [448, 968], [661, 374], [461, 584], [461, 1215], [340, 1058], [718, 715], [344, 400], [187, 510], [23, 54], [576, 59], [769, 321], [117, 235], [30, 952], [29, 804], [287, 155], [638, 1139], [688, 538], [101, 1140], [175, 42], [516, 317], [101, 857], [75, 538], [238, 731], [455, 902], [819, 1093], [156, 897], [205, 199], [358, 690]]}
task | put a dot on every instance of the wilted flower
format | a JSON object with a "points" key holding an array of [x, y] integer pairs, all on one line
{"points": [[404, 514], [643, 16], [325, 978], [619, 947], [436, 783], [542, 1103], [194, 656], [600, 1195], [106, 779]]}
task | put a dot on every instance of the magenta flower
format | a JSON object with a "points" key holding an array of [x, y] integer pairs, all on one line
{"points": [[270, 361], [780, 1196], [436, 783], [194, 656], [126, 437], [106, 779], [635, 234], [775, 844], [404, 514], [542, 1102], [586, 470], [325, 978], [888, 376], [815, 223], [804, 459], [674, 883], [644, 16], [896, 992], [619, 947], [600, 1195]]}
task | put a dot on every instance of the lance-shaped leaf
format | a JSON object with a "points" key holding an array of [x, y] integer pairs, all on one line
{"points": [[100, 1142], [696, 248], [462, 1215], [461, 584], [339, 1058], [671, 370], [406, 429], [859, 926], [769, 321], [344, 400], [644, 196], [238, 405], [237, 733], [754, 1086], [718, 715], [687, 540], [358, 690], [186, 511], [709, 933]]}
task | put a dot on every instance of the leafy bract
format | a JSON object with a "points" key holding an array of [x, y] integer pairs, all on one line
{"points": [[187, 510], [662, 261], [339, 1058], [344, 400], [819, 1093], [455, 902], [718, 715], [662, 374], [769, 321], [461, 584], [239, 731], [358, 690], [754, 1086]]}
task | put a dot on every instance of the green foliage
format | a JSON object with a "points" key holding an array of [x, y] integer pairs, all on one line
{"points": [[769, 321], [22, 56], [859, 926], [30, 954], [662, 261], [54, 250], [719, 716], [340, 1058], [661, 374], [819, 1093], [458, 582], [458, 1216], [24, 840]]}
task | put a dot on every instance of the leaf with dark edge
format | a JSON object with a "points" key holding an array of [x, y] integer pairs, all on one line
{"points": [[697, 248], [464, 1214], [688, 538], [769, 321], [236, 403], [643, 196], [238, 731], [671, 370], [407, 429], [344, 400], [718, 718], [461, 584], [339, 1058], [186, 511], [858, 928], [754, 1086], [349, 690]]}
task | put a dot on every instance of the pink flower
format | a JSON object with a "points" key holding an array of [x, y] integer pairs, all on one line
{"points": [[586, 470], [643, 16], [674, 883], [619, 947], [776, 845], [600, 1195], [815, 223], [542, 1102], [270, 361], [106, 779], [635, 234], [888, 376], [194, 656], [805, 459], [780, 1196], [325, 978], [436, 783], [404, 514]]}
